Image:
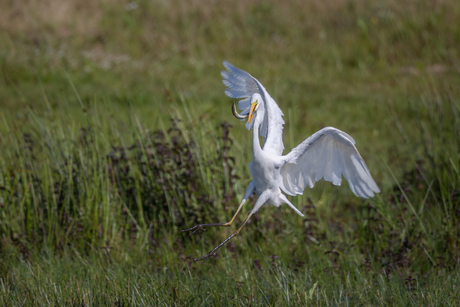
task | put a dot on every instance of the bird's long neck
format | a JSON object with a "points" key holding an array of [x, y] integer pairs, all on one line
{"points": [[255, 138]]}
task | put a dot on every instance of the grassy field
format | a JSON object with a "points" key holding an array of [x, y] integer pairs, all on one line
{"points": [[116, 134]]}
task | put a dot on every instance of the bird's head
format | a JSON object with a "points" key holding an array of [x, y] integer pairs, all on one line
{"points": [[251, 110]]}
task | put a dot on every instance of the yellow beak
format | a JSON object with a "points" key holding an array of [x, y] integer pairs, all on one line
{"points": [[251, 111]]}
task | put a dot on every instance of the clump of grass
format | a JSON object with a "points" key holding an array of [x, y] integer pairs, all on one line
{"points": [[80, 189]]}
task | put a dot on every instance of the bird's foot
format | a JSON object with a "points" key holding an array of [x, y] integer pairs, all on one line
{"points": [[205, 257], [208, 255], [194, 229]]}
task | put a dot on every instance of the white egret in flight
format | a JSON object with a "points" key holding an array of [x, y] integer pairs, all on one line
{"points": [[329, 153]]}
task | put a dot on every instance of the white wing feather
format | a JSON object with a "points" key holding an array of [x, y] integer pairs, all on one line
{"points": [[329, 154], [242, 85]]}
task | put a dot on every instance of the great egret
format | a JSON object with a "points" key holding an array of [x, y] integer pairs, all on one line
{"points": [[329, 153]]}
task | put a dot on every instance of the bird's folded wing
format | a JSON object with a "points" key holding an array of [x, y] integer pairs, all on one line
{"points": [[242, 85], [329, 154]]}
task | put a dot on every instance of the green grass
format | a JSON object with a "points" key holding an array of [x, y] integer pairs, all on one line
{"points": [[239, 281], [113, 140]]}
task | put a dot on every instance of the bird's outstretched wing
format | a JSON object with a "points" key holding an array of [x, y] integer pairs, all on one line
{"points": [[242, 85], [328, 153]]}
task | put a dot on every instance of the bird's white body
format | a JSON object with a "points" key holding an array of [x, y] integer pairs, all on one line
{"points": [[328, 153], [266, 177]]}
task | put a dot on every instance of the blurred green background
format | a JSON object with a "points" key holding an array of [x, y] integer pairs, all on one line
{"points": [[113, 140]]}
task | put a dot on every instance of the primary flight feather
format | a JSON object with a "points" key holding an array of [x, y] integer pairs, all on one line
{"points": [[328, 153]]}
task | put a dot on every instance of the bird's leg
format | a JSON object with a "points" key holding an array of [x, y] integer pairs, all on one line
{"points": [[247, 194], [206, 257], [200, 226]]}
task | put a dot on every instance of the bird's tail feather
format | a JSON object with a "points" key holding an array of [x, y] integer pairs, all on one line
{"points": [[284, 198]]}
